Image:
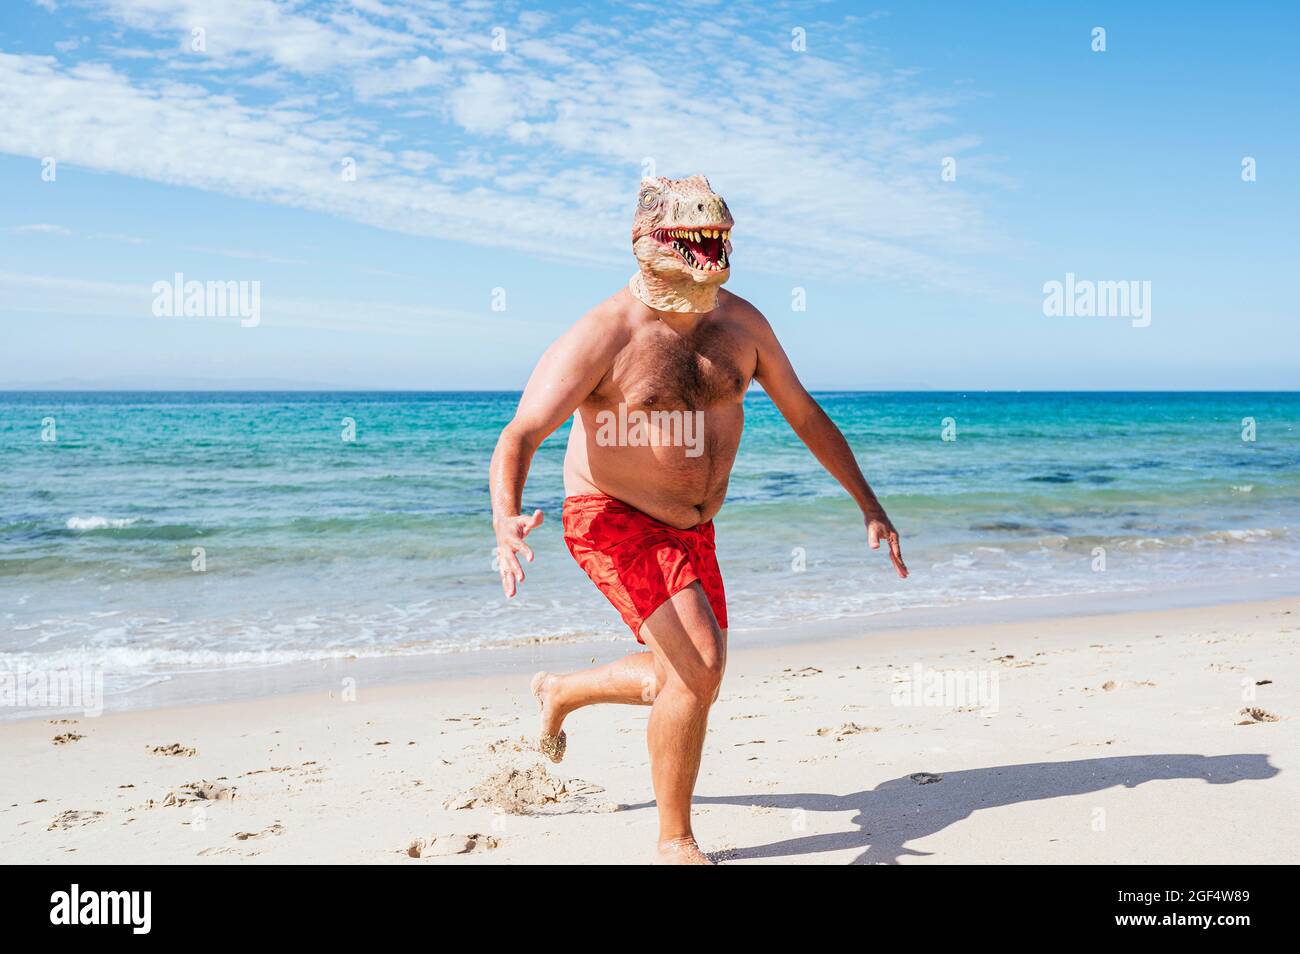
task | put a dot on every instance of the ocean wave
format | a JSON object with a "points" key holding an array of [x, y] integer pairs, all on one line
{"points": [[1243, 536], [128, 658], [1247, 535], [100, 523], [159, 660]]}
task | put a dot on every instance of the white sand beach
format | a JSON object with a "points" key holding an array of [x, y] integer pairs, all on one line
{"points": [[1103, 739]]}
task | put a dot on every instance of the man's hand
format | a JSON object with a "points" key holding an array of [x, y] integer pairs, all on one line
{"points": [[879, 528], [510, 540]]}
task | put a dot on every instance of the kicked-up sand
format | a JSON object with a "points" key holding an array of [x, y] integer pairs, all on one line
{"points": [[1154, 737]]}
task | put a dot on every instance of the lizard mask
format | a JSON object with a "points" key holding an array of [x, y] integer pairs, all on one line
{"points": [[680, 237]]}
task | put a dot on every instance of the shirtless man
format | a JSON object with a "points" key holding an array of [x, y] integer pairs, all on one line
{"points": [[657, 376]]}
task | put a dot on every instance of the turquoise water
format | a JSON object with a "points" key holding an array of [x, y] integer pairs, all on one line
{"points": [[318, 547]]}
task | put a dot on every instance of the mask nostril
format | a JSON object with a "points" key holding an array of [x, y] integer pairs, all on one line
{"points": [[700, 207]]}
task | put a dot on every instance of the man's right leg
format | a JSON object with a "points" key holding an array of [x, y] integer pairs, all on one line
{"points": [[691, 651], [680, 677]]}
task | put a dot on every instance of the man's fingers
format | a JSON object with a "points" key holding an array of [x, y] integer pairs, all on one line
{"points": [[881, 529], [511, 565], [512, 574], [896, 554]]}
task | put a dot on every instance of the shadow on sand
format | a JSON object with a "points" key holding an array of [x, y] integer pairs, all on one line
{"points": [[900, 810]]}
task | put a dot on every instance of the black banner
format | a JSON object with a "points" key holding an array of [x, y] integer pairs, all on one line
{"points": [[305, 903]]}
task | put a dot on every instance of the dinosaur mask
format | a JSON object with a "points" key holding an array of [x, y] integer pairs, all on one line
{"points": [[680, 240]]}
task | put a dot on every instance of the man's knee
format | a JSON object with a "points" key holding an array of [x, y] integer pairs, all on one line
{"points": [[703, 684], [703, 679]]}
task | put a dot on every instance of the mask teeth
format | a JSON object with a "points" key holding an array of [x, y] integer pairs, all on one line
{"points": [[684, 242], [685, 253]]}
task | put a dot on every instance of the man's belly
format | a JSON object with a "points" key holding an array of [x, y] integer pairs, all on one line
{"points": [[676, 472]]}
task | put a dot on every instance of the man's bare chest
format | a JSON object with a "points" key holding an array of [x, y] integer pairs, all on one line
{"points": [[668, 372]]}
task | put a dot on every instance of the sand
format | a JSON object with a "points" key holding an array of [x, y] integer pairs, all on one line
{"points": [[1159, 737]]}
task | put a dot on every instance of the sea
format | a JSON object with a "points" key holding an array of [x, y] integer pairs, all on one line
{"points": [[147, 535]]}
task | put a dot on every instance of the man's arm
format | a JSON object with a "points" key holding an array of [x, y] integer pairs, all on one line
{"points": [[567, 373], [777, 376]]}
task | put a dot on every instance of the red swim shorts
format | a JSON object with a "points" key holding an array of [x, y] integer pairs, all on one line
{"points": [[639, 562]]}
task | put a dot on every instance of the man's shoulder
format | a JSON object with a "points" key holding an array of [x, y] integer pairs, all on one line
{"points": [[613, 312], [608, 323], [741, 310]]}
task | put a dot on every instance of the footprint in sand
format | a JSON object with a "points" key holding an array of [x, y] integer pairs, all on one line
{"points": [[436, 846], [67, 737], [194, 791], [804, 672], [846, 730], [1255, 715], [1013, 662], [183, 751], [275, 828], [1110, 685], [65, 821]]}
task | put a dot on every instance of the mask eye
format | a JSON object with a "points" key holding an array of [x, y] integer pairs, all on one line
{"points": [[648, 199]]}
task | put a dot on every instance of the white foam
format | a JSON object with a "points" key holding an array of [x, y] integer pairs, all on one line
{"points": [[99, 523], [1243, 535]]}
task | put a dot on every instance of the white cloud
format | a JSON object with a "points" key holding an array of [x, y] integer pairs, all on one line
{"points": [[404, 77], [41, 228], [264, 29], [247, 256], [93, 116], [118, 237], [484, 103], [830, 166]]}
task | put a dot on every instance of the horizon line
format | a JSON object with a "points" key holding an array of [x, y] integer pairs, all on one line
{"points": [[812, 390]]}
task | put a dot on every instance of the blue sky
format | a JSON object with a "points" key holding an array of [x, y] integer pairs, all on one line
{"points": [[484, 164]]}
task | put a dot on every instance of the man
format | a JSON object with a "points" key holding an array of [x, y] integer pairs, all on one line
{"points": [[657, 376]]}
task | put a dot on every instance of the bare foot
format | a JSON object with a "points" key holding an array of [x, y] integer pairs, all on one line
{"points": [[680, 851], [551, 740]]}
